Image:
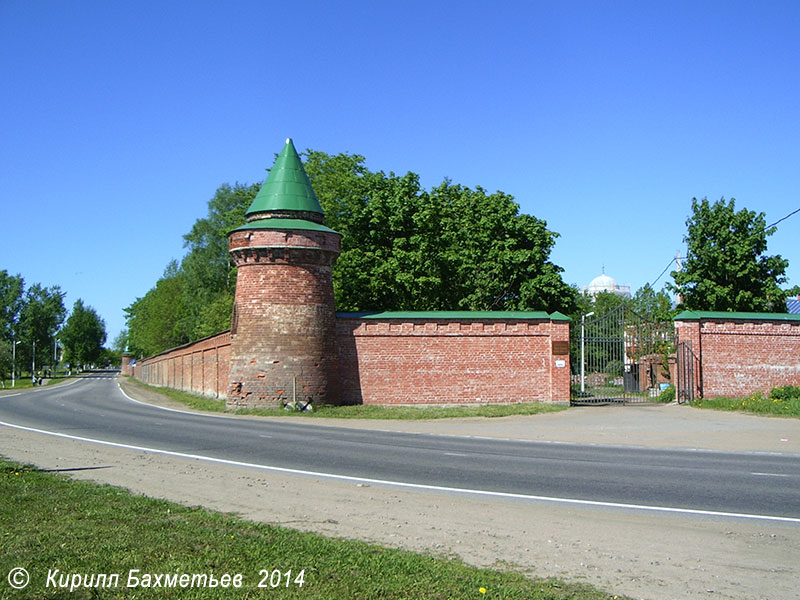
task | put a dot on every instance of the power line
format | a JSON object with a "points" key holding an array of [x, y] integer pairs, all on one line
{"points": [[653, 285], [794, 212]]}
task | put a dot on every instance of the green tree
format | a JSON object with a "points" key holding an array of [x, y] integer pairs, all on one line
{"points": [[40, 318], [652, 305], [11, 302], [120, 341], [451, 248], [726, 266], [83, 335], [155, 320], [208, 274], [5, 362]]}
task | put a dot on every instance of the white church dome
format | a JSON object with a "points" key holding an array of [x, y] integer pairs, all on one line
{"points": [[603, 283]]}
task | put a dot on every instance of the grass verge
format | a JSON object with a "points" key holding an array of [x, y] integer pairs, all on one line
{"points": [[361, 411], [782, 401], [82, 529]]}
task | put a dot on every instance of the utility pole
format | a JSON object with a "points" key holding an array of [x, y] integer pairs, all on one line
{"points": [[14, 359]]}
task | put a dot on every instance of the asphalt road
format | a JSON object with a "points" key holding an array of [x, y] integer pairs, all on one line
{"points": [[746, 483]]}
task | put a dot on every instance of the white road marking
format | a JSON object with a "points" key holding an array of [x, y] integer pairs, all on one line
{"points": [[418, 486], [771, 474]]}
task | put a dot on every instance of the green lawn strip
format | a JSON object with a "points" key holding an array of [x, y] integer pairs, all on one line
{"points": [[756, 404], [25, 382], [361, 411], [50, 522]]}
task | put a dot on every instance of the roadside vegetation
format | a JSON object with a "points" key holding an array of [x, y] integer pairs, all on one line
{"points": [[82, 528], [358, 412], [26, 383], [782, 401]]}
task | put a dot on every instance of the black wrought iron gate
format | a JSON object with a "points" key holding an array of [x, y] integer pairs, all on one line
{"points": [[621, 357]]}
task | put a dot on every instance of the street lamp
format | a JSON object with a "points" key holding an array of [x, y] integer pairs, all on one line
{"points": [[14, 359], [56, 342], [583, 362]]}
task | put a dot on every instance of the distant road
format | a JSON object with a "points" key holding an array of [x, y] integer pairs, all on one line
{"points": [[752, 484]]}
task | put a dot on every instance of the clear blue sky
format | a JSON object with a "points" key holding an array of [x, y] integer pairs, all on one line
{"points": [[118, 120]]}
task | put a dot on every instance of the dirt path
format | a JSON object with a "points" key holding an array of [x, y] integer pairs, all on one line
{"points": [[643, 555]]}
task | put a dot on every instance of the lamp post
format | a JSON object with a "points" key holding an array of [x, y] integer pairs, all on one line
{"points": [[56, 341], [583, 362], [14, 359], [33, 363]]}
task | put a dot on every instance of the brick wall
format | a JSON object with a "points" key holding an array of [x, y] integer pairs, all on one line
{"points": [[200, 368], [737, 354], [429, 360]]}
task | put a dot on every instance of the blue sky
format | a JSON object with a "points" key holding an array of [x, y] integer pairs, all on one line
{"points": [[118, 120]]}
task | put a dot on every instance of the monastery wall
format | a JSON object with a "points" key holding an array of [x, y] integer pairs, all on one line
{"points": [[737, 354]]}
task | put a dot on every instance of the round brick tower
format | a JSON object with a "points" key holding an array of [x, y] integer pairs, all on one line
{"points": [[283, 333]]}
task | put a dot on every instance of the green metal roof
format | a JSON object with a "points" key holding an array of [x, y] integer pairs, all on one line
{"points": [[286, 187], [480, 315], [696, 315], [278, 223]]}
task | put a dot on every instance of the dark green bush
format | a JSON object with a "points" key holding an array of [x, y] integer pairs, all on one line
{"points": [[785, 392]]}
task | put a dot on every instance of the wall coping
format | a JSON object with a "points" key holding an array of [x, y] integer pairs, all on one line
{"points": [[466, 315], [699, 315], [186, 345]]}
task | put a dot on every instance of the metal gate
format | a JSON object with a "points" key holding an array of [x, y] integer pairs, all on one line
{"points": [[621, 357]]}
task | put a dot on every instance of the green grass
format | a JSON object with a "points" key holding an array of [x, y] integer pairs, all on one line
{"points": [[783, 401], [361, 411], [22, 383], [49, 522]]}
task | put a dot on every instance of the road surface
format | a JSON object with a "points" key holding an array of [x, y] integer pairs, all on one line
{"points": [[757, 484]]}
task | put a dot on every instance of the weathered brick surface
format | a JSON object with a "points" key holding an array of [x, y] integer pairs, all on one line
{"points": [[395, 361], [738, 357], [283, 334], [200, 368]]}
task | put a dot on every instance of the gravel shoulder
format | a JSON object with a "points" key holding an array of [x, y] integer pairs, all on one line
{"points": [[643, 555]]}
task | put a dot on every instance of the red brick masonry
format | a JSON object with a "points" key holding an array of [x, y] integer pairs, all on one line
{"points": [[394, 361], [425, 360], [201, 367], [736, 354]]}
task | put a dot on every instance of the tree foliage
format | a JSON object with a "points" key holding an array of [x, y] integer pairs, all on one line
{"points": [[11, 303], [40, 317], [155, 319], [83, 336], [33, 318], [450, 248], [726, 267], [403, 248]]}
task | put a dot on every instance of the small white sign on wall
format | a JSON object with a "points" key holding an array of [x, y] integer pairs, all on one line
{"points": [[561, 364]]}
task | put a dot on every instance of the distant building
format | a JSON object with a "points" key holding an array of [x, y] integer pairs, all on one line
{"points": [[793, 305], [604, 283]]}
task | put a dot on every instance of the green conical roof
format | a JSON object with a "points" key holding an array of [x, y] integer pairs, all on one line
{"points": [[287, 187]]}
